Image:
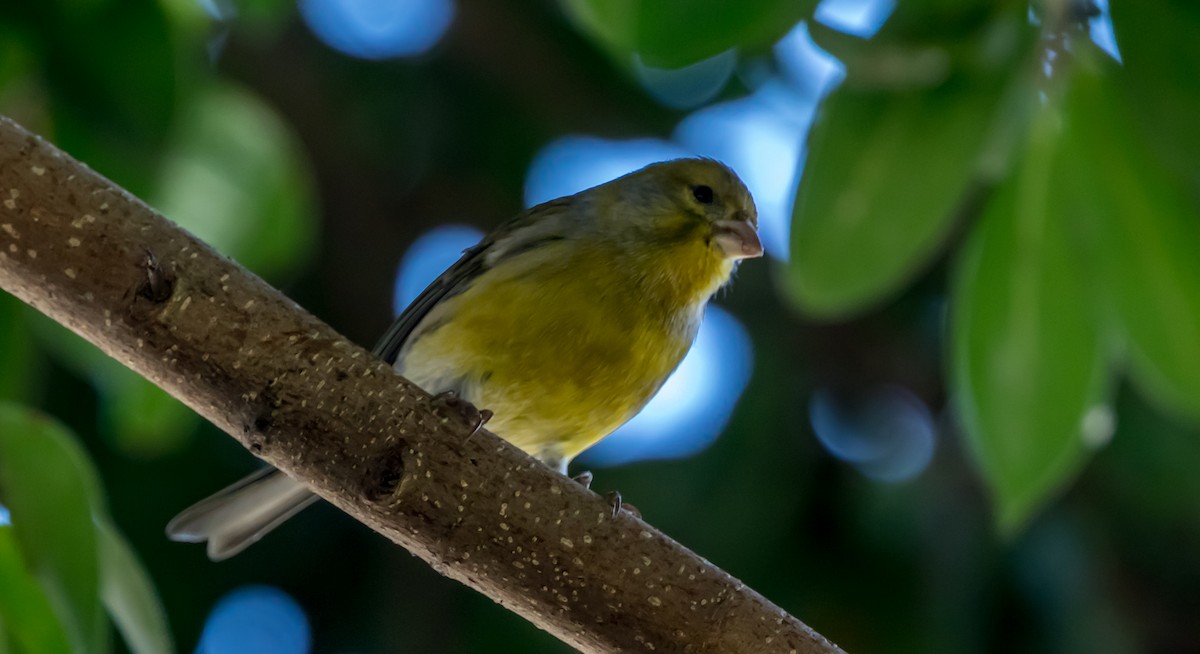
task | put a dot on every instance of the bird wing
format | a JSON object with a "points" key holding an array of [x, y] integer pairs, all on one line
{"points": [[524, 232]]}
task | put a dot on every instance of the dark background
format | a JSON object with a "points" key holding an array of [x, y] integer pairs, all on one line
{"points": [[892, 524]]}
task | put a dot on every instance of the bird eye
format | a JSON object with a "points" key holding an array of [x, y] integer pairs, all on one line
{"points": [[703, 194]]}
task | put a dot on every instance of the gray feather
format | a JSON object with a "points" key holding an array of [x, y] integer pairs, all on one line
{"points": [[237, 516]]}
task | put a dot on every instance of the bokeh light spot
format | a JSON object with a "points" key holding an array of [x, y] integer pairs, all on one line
{"points": [[805, 65], [888, 434], [695, 403], [429, 256], [378, 29], [1098, 425], [574, 163], [689, 86], [1100, 28], [256, 620], [861, 18], [5, 516]]}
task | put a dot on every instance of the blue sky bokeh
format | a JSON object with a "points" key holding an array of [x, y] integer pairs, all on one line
{"points": [[256, 620], [888, 434], [378, 29]]}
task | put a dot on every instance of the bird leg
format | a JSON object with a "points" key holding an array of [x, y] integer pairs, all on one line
{"points": [[618, 505], [614, 497], [614, 501]]}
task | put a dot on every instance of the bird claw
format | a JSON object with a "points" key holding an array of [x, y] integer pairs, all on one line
{"points": [[614, 502], [614, 497], [618, 505], [451, 401]]}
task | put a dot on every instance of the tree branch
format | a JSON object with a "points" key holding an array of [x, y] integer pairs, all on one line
{"points": [[303, 398]]}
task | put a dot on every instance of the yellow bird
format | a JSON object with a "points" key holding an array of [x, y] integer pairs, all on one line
{"points": [[563, 322]]}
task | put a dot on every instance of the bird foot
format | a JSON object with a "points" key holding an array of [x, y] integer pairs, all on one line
{"points": [[450, 401], [614, 497], [614, 501], [618, 505]]}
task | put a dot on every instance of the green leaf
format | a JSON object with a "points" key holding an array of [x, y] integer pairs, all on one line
{"points": [[73, 551], [882, 64], [25, 612], [49, 488], [1160, 79], [885, 175], [236, 177], [674, 34], [129, 595], [945, 21], [923, 43], [1028, 357], [1147, 243]]}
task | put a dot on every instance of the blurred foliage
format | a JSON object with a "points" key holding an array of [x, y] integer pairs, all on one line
{"points": [[834, 205], [1028, 349], [235, 177], [63, 563], [114, 110], [1063, 164], [898, 149], [675, 34], [985, 158], [211, 157]]}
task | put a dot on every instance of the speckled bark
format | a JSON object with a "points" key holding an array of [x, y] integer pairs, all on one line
{"points": [[308, 401]]}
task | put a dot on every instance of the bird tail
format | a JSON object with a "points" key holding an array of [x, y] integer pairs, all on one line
{"points": [[237, 516]]}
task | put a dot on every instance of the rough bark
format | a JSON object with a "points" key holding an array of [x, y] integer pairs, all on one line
{"points": [[303, 398]]}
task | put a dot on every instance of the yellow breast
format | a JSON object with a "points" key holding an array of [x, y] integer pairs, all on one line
{"points": [[566, 346]]}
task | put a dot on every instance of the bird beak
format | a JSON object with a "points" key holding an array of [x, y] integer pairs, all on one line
{"points": [[737, 239]]}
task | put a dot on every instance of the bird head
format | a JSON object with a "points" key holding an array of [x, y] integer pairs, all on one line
{"points": [[680, 226], [689, 200]]}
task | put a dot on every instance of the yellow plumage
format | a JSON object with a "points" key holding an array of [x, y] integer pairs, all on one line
{"points": [[563, 322], [558, 378]]}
